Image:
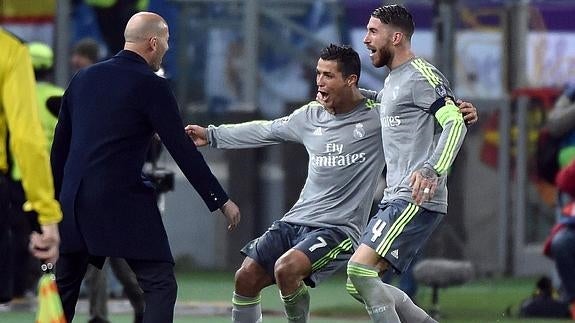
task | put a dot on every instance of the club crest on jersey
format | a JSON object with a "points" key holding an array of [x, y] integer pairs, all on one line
{"points": [[441, 90], [394, 93], [359, 131]]}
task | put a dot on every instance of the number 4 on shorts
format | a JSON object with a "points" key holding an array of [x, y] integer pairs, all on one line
{"points": [[377, 229]]}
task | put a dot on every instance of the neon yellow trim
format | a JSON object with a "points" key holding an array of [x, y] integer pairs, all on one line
{"points": [[302, 289], [430, 71], [351, 288], [445, 114], [253, 301], [397, 227], [370, 104], [448, 154], [343, 246], [424, 69], [354, 270]]}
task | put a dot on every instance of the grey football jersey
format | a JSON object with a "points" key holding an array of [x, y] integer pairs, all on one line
{"points": [[420, 125], [345, 161]]}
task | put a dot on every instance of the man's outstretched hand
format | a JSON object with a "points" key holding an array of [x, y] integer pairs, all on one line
{"points": [[232, 213]]}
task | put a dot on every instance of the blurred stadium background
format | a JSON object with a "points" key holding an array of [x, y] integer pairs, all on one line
{"points": [[237, 60]]}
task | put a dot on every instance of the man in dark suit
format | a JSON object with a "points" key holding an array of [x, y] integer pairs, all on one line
{"points": [[109, 114]]}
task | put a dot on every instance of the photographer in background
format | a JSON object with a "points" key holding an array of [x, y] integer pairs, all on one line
{"points": [[160, 178], [560, 244]]}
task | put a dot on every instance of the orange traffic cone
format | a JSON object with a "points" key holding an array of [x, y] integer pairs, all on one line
{"points": [[49, 303]]}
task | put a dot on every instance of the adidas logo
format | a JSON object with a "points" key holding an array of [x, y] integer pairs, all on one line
{"points": [[318, 132], [395, 253]]}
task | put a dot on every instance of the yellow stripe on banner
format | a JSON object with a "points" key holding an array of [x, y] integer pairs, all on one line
{"points": [[397, 227], [27, 8], [429, 75], [49, 303]]}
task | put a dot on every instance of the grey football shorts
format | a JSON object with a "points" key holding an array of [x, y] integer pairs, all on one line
{"points": [[399, 230], [328, 249]]}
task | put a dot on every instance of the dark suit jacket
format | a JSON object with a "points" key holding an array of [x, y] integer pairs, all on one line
{"points": [[109, 114]]}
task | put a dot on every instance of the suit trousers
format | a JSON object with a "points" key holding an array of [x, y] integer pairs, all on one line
{"points": [[156, 279], [96, 280]]}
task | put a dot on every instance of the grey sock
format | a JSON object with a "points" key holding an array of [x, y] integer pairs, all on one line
{"points": [[430, 319], [407, 310], [352, 291], [297, 305], [379, 302], [246, 309]]}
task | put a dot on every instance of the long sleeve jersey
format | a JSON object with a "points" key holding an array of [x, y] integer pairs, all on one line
{"points": [[420, 126], [345, 161], [19, 121]]}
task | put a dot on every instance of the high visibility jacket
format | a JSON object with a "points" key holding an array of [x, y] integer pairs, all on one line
{"points": [[44, 91], [140, 4], [19, 121]]}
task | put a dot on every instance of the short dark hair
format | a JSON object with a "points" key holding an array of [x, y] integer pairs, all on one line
{"points": [[347, 59], [397, 16], [88, 48]]}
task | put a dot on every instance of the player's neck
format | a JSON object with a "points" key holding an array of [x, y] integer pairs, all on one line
{"points": [[401, 56], [354, 100]]}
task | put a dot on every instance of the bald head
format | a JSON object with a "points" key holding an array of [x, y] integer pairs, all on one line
{"points": [[147, 34], [143, 26]]}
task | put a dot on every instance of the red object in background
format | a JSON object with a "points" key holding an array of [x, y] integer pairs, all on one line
{"points": [[489, 154], [490, 147], [565, 179]]}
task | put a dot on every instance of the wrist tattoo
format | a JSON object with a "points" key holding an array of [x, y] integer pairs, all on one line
{"points": [[428, 173]]}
